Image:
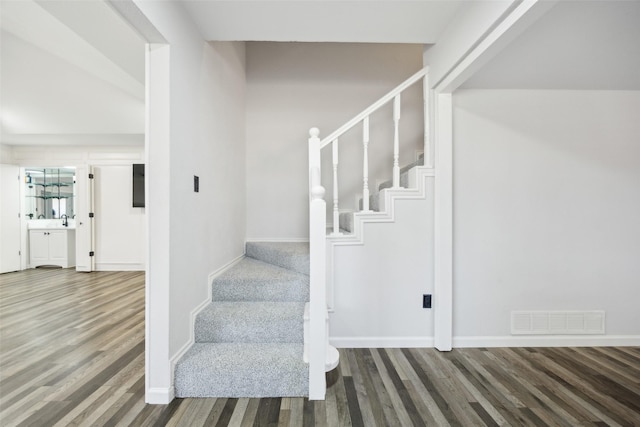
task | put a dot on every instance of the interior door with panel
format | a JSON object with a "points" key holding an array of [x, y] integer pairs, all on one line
{"points": [[10, 250]]}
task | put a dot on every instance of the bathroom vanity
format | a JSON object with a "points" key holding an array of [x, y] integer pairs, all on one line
{"points": [[54, 245]]}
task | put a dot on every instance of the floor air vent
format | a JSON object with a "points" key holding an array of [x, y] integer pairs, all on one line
{"points": [[557, 322]]}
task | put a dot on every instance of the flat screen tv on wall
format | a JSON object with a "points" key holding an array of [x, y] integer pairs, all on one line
{"points": [[138, 185]]}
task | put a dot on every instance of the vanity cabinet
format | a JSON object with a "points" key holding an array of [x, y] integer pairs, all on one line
{"points": [[52, 247]]}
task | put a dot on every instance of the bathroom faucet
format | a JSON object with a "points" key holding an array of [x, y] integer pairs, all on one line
{"points": [[65, 222]]}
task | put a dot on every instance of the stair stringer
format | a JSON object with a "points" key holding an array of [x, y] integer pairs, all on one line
{"points": [[357, 237], [390, 195]]}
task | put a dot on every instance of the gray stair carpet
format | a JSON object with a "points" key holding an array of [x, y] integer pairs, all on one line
{"points": [[249, 340], [291, 255]]}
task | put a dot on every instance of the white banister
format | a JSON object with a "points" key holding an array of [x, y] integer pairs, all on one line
{"points": [[373, 107], [317, 345], [396, 141], [336, 212], [320, 355], [365, 165]]}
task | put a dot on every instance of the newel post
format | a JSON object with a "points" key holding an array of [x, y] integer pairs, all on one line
{"points": [[317, 273]]}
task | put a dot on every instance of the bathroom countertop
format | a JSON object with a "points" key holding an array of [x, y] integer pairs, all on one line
{"points": [[50, 224]]}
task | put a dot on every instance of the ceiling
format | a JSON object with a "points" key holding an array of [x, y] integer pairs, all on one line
{"points": [[360, 21], [72, 72]]}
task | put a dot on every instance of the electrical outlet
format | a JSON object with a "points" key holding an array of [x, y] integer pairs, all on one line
{"points": [[426, 301]]}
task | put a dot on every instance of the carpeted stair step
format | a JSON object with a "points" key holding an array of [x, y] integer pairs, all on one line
{"points": [[404, 175], [251, 322], [253, 280], [346, 218], [242, 370], [346, 221], [291, 255]]}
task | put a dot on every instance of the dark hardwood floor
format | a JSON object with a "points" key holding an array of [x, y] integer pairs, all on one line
{"points": [[72, 353]]}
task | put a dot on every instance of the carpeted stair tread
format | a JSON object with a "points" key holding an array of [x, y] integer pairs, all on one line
{"points": [[253, 280], [251, 322], [242, 370], [404, 175], [291, 255], [346, 218]]}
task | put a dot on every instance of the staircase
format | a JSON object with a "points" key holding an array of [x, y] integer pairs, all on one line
{"points": [[408, 180], [265, 332], [249, 340]]}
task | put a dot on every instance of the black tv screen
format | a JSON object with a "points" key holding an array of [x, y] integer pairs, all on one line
{"points": [[138, 185]]}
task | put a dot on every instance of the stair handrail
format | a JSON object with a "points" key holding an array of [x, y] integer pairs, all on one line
{"points": [[373, 107], [363, 117]]}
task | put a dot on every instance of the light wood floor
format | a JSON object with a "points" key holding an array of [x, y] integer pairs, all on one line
{"points": [[72, 353]]}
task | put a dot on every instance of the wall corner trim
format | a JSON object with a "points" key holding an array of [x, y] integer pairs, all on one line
{"points": [[159, 396]]}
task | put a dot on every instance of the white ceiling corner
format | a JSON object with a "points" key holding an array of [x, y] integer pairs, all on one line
{"points": [[577, 45]]}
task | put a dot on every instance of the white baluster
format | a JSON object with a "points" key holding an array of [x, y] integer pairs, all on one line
{"points": [[365, 165], [336, 214], [428, 159], [396, 141]]}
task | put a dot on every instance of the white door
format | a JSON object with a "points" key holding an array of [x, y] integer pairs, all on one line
{"points": [[84, 224], [9, 218]]}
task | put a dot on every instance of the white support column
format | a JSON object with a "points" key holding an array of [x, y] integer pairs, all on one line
{"points": [[336, 212], [428, 156], [365, 165], [158, 370], [396, 141], [443, 233], [317, 274]]}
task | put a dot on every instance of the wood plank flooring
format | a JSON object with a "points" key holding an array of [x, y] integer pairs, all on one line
{"points": [[72, 354]]}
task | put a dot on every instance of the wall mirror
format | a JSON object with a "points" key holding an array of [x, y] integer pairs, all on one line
{"points": [[49, 192]]}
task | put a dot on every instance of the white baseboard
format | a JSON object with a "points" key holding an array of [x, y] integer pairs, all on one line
{"points": [[159, 396], [548, 341], [491, 341], [122, 266], [381, 342], [278, 239], [221, 270]]}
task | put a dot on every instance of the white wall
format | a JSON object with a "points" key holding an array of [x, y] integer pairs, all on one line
{"points": [[292, 87], [546, 201], [207, 139], [377, 287], [119, 227]]}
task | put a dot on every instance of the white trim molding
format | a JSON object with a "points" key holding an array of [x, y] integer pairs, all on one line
{"points": [[119, 266], [443, 224], [159, 396], [277, 239], [548, 341], [381, 342]]}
